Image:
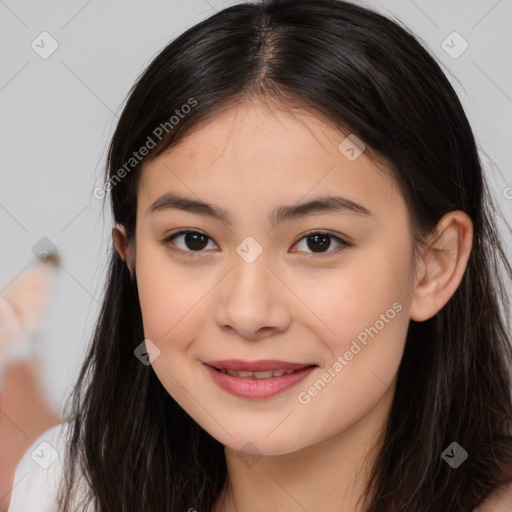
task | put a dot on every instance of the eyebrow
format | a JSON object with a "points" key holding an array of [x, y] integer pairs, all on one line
{"points": [[323, 204]]}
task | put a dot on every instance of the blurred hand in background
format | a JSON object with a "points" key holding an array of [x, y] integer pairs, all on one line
{"points": [[25, 411]]}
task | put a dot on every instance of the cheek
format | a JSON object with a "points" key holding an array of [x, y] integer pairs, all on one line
{"points": [[169, 295], [366, 310], [363, 360], [156, 299], [364, 295]]}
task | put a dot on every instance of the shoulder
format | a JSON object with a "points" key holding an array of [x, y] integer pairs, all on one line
{"points": [[39, 472], [500, 500]]}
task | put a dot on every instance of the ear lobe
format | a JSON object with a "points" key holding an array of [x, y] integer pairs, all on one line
{"points": [[443, 264], [122, 245]]}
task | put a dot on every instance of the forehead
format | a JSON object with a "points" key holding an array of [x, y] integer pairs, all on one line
{"points": [[256, 151]]}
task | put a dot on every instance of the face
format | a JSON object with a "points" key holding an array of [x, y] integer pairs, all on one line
{"points": [[326, 288]]}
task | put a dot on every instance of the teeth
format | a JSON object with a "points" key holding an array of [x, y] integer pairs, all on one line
{"points": [[258, 375]]}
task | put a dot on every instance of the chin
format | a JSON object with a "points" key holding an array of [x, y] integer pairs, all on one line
{"points": [[260, 446]]}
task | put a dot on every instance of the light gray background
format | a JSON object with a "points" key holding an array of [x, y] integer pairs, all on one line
{"points": [[57, 115]]}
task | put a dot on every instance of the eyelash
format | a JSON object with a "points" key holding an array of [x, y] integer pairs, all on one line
{"points": [[343, 243]]}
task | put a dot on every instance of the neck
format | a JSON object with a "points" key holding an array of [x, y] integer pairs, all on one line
{"points": [[330, 475]]}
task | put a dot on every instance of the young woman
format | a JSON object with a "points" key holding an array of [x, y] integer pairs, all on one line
{"points": [[307, 301]]}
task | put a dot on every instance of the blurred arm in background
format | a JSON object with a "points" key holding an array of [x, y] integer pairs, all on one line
{"points": [[25, 412]]}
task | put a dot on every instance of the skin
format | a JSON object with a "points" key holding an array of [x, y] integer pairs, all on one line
{"points": [[287, 304]]}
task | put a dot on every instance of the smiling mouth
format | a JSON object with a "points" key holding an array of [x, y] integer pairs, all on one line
{"points": [[257, 380], [267, 369]]}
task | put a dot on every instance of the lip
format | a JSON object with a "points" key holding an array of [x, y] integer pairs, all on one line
{"points": [[259, 388], [256, 366]]}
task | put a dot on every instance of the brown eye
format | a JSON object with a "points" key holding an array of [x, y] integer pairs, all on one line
{"points": [[319, 242], [191, 241]]}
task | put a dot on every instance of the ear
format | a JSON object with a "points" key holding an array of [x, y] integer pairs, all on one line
{"points": [[123, 246], [442, 265]]}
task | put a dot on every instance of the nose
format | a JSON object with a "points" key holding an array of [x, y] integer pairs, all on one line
{"points": [[253, 301]]}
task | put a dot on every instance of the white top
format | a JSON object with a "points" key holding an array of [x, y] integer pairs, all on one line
{"points": [[39, 473]]}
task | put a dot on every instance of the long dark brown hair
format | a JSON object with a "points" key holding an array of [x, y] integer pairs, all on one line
{"points": [[137, 449]]}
